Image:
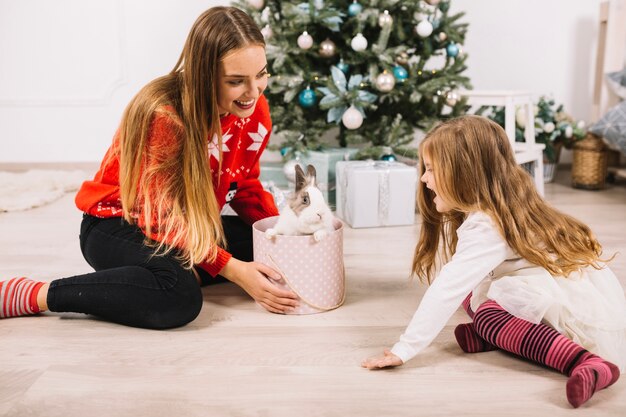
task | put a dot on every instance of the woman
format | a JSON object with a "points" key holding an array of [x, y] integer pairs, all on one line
{"points": [[189, 142]]}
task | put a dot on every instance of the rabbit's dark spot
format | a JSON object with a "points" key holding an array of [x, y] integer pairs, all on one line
{"points": [[300, 202]]}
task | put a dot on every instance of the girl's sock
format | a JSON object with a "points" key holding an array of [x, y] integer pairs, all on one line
{"points": [[590, 375], [18, 297], [470, 341], [542, 344]]}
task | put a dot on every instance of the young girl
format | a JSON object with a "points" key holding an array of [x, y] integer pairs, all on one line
{"points": [[188, 143], [537, 285]]}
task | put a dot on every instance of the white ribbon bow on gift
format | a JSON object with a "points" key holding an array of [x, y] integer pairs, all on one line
{"points": [[383, 169]]}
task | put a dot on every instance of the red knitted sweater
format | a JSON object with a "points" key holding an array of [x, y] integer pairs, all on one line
{"points": [[243, 141]]}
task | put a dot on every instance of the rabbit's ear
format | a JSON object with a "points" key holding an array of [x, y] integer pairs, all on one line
{"points": [[300, 179], [311, 175]]}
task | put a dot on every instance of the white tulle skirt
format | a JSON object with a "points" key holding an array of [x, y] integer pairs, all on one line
{"points": [[588, 307]]}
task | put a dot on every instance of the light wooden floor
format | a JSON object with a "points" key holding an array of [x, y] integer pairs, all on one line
{"points": [[237, 360]]}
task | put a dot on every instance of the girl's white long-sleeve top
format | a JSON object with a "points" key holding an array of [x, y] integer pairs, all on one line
{"points": [[481, 255]]}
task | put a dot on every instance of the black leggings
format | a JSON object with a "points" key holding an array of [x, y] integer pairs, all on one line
{"points": [[132, 287]]}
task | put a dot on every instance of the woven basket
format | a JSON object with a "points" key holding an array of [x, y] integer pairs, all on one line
{"points": [[589, 167], [613, 158]]}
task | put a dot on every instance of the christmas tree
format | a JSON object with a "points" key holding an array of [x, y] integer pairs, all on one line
{"points": [[377, 69]]}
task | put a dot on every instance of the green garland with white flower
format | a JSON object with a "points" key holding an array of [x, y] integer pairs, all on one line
{"points": [[375, 69]]}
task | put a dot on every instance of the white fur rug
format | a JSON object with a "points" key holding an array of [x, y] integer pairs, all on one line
{"points": [[34, 188]]}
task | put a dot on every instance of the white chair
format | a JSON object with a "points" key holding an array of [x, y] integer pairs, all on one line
{"points": [[527, 152]]}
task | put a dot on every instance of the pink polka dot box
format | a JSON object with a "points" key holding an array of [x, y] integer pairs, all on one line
{"points": [[313, 270]]}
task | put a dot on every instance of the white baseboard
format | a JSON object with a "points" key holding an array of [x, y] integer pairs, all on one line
{"points": [[70, 166]]}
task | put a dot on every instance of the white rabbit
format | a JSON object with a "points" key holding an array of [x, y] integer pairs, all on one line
{"points": [[306, 211]]}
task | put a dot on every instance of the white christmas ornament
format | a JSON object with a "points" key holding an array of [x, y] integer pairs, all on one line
{"points": [[549, 127], [569, 131], [257, 4], [352, 118], [289, 169], [359, 43], [305, 41], [424, 28], [385, 82], [267, 32], [265, 15]]}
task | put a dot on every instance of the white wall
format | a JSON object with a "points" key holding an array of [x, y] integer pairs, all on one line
{"points": [[546, 47], [69, 67]]}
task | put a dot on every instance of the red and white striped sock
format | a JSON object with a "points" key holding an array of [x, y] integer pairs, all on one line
{"points": [[18, 297]]}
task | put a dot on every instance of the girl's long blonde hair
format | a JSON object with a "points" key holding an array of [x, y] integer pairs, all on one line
{"points": [[475, 170], [175, 189]]}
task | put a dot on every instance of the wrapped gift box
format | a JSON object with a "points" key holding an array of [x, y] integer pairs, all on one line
{"points": [[324, 163], [376, 193], [273, 171]]}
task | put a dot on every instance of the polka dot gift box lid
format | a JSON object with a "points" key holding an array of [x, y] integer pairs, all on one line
{"points": [[313, 270]]}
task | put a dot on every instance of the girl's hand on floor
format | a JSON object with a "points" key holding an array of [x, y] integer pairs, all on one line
{"points": [[384, 361], [255, 278]]}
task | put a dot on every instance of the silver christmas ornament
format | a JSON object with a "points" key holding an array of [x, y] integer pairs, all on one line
{"points": [[385, 82], [443, 36], [328, 49], [403, 58], [452, 98], [305, 41], [385, 19]]}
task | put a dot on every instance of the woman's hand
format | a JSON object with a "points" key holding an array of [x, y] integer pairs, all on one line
{"points": [[253, 278], [384, 361]]}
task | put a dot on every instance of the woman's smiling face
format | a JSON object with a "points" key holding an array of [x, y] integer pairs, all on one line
{"points": [[241, 80]]}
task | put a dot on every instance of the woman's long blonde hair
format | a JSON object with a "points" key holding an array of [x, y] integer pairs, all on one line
{"points": [[175, 188], [475, 170]]}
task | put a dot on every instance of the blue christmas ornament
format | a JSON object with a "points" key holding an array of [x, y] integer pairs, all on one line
{"points": [[354, 9], [388, 154], [343, 66], [435, 23], [307, 98], [452, 50], [400, 73]]}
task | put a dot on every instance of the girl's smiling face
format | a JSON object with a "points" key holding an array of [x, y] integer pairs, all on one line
{"points": [[241, 80], [429, 179]]}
